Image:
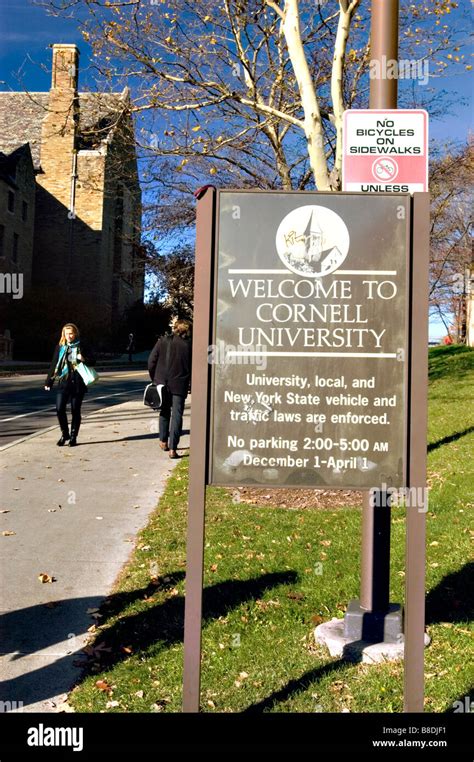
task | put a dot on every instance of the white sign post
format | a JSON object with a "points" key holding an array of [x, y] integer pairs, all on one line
{"points": [[385, 150]]}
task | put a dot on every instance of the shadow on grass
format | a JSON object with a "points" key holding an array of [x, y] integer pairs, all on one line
{"points": [[162, 624], [463, 704], [453, 360], [296, 686], [451, 438], [452, 600]]}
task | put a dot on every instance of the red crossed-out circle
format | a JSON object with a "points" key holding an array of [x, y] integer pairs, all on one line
{"points": [[385, 169]]}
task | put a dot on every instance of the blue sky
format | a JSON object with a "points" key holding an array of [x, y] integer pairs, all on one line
{"points": [[27, 31]]}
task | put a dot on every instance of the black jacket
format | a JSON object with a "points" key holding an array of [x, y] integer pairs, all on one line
{"points": [[74, 379], [176, 373]]}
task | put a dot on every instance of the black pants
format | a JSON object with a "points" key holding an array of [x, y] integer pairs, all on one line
{"points": [[173, 408], [75, 397]]}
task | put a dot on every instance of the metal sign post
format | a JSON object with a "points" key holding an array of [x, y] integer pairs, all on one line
{"points": [[415, 554], [198, 449], [366, 618]]}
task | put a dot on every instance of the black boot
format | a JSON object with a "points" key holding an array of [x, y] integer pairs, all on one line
{"points": [[73, 440], [64, 438]]}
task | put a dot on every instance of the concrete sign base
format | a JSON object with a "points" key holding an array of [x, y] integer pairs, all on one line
{"points": [[331, 634]]}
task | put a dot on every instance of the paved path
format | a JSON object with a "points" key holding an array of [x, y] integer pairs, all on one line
{"points": [[25, 407], [75, 513]]}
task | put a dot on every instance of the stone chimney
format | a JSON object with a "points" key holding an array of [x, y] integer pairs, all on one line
{"points": [[59, 128], [65, 67]]}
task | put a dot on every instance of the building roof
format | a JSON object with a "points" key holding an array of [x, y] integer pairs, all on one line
{"points": [[9, 161], [21, 116]]}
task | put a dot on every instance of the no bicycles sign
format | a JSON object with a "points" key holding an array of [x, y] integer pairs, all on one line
{"points": [[385, 151]]}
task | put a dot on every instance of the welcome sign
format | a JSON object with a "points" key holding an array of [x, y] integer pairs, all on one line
{"points": [[310, 340]]}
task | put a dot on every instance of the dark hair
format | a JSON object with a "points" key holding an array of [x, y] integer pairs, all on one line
{"points": [[182, 328]]}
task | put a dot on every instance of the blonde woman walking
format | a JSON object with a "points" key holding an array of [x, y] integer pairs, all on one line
{"points": [[70, 387]]}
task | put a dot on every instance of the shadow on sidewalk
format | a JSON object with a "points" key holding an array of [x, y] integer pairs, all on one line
{"points": [[133, 438]]}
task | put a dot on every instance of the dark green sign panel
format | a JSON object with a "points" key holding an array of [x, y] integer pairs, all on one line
{"points": [[310, 340]]}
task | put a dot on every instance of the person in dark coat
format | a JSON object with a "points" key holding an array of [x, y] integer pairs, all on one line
{"points": [[170, 364], [130, 346], [70, 351]]}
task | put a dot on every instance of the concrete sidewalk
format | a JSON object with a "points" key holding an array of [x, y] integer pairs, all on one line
{"points": [[75, 513]]}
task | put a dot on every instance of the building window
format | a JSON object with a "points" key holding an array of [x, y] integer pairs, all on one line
{"points": [[24, 211], [16, 238], [11, 201], [2, 239]]}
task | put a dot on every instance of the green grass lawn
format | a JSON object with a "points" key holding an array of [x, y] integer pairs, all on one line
{"points": [[272, 574]]}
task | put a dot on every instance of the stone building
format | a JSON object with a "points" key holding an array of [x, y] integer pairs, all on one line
{"points": [[17, 213], [68, 161]]}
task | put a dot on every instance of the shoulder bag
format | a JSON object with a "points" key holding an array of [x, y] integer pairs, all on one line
{"points": [[154, 394]]}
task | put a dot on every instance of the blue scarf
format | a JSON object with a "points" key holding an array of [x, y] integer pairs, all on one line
{"points": [[67, 359]]}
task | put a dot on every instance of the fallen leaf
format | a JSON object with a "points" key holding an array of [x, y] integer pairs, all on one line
{"points": [[43, 577], [4, 511], [96, 651], [60, 480], [317, 619], [103, 685], [213, 568], [92, 611], [326, 543], [243, 675], [126, 649], [7, 533], [112, 704], [139, 694], [295, 596], [51, 510], [99, 518]]}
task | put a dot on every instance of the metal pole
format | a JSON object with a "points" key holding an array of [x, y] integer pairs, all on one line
{"points": [[198, 450], [383, 52], [417, 507], [375, 567]]}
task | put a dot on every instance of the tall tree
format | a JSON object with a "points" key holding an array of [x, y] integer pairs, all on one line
{"points": [[252, 92], [452, 177]]}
